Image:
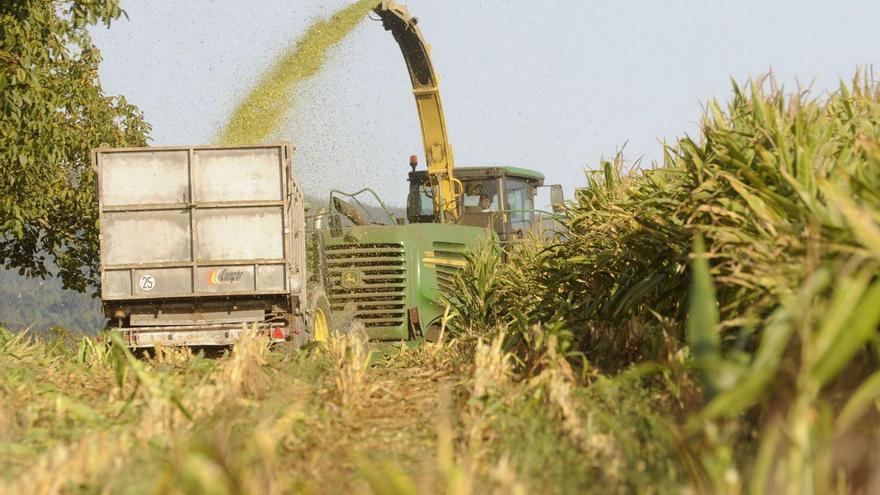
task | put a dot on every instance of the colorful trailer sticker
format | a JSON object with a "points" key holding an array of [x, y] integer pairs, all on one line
{"points": [[224, 276]]}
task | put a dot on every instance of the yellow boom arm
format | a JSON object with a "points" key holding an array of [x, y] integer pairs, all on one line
{"points": [[438, 152]]}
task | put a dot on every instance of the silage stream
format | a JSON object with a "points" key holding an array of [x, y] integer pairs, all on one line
{"points": [[259, 115]]}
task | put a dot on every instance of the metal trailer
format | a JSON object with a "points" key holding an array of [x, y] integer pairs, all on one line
{"points": [[197, 242]]}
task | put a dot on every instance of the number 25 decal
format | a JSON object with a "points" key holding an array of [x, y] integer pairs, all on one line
{"points": [[147, 283]]}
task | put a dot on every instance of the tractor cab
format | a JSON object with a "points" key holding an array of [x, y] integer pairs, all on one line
{"points": [[502, 198]]}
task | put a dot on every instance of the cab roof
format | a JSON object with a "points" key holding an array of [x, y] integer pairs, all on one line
{"points": [[475, 172]]}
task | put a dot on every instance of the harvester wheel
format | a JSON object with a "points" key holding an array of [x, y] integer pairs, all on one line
{"points": [[322, 318]]}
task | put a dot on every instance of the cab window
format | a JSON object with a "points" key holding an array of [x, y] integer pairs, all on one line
{"points": [[420, 204], [520, 195], [427, 200], [481, 195]]}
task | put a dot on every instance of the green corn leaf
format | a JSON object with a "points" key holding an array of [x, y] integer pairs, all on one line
{"points": [[860, 402], [756, 204], [843, 303], [777, 334], [861, 326], [861, 222], [609, 176], [759, 107], [765, 459], [703, 319]]}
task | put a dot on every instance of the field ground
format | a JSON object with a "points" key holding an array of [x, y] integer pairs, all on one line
{"points": [[83, 416]]}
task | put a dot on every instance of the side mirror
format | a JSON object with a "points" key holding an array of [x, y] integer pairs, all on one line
{"points": [[557, 197]]}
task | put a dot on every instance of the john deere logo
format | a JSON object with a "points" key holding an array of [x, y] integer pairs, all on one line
{"points": [[224, 276], [351, 278]]}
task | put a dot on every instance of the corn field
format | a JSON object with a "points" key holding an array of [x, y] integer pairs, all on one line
{"points": [[745, 267]]}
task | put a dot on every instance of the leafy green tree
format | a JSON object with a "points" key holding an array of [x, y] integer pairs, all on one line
{"points": [[52, 112]]}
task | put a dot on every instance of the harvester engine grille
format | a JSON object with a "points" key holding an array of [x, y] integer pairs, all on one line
{"points": [[451, 260], [369, 279]]}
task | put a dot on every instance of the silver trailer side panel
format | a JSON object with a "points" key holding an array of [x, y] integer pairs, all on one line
{"points": [[198, 221], [142, 237], [257, 172], [144, 177], [237, 233]]}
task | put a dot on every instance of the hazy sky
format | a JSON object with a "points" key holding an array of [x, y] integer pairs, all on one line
{"points": [[552, 86]]}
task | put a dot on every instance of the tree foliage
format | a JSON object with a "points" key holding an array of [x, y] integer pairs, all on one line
{"points": [[52, 112]]}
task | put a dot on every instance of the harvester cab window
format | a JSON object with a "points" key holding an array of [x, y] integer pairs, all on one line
{"points": [[480, 199], [520, 196], [480, 196], [420, 202]]}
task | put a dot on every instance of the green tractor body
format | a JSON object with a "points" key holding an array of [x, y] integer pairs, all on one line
{"points": [[391, 275]]}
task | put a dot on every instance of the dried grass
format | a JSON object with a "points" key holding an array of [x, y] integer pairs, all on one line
{"points": [[351, 355], [245, 373]]}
